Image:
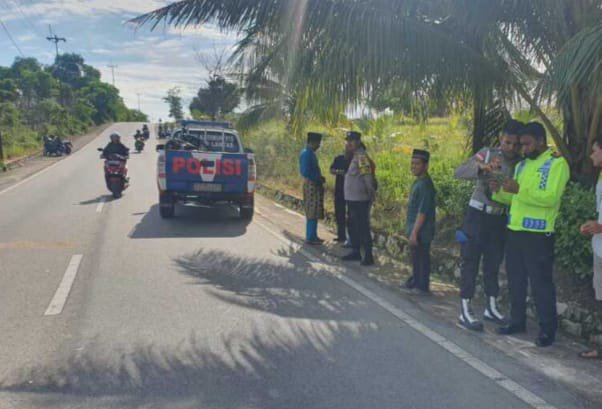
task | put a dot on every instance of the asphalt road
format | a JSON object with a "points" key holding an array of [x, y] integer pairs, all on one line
{"points": [[207, 311]]}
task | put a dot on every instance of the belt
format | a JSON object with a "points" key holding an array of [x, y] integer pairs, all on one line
{"points": [[493, 210]]}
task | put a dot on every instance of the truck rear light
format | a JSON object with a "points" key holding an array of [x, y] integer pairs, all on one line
{"points": [[252, 170], [252, 175]]}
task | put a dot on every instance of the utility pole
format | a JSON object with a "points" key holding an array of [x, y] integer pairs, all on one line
{"points": [[112, 67], [53, 38]]}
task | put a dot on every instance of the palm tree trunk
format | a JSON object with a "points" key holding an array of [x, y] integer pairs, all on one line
{"points": [[479, 125]]}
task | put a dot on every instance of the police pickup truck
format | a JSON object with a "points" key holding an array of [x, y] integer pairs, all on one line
{"points": [[205, 164]]}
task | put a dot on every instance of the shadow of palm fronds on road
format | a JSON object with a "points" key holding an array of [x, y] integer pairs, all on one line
{"points": [[290, 289], [269, 369]]}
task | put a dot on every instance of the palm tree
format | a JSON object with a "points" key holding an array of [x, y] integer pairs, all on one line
{"points": [[339, 52]]}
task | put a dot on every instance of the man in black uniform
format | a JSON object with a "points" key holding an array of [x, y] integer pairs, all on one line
{"points": [[339, 167], [484, 227]]}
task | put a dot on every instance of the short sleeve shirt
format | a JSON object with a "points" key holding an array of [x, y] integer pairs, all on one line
{"points": [[422, 200]]}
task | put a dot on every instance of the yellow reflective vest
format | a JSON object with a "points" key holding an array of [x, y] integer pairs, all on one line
{"points": [[541, 183]]}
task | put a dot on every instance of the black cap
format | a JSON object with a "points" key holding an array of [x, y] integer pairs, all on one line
{"points": [[353, 136], [314, 137], [421, 154]]}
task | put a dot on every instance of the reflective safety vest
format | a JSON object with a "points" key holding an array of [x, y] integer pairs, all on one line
{"points": [[541, 183]]}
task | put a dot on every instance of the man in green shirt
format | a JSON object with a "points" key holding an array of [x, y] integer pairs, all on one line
{"points": [[420, 224], [534, 196]]}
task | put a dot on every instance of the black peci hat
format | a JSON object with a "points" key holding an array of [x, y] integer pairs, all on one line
{"points": [[353, 136], [421, 154], [314, 137]]}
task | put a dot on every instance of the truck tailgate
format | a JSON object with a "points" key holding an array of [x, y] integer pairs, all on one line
{"points": [[206, 172]]}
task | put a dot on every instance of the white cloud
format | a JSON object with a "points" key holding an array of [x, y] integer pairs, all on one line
{"points": [[206, 32], [25, 38], [157, 66], [149, 63], [53, 11]]}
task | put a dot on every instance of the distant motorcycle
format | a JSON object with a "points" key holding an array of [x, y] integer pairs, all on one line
{"points": [[139, 145], [57, 147], [115, 173]]}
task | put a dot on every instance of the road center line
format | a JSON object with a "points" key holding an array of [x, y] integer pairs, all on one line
{"points": [[100, 205], [60, 297], [480, 366]]}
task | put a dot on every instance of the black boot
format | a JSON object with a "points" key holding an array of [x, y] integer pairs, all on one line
{"points": [[368, 260], [353, 256], [512, 329]]}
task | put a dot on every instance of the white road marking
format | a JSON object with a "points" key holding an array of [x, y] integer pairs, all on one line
{"points": [[100, 205], [493, 374], [60, 297]]}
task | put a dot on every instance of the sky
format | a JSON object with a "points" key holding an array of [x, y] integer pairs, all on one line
{"points": [[148, 62]]}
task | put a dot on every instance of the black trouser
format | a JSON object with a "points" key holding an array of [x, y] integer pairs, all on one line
{"points": [[359, 227], [530, 260], [486, 235], [421, 267], [340, 213]]}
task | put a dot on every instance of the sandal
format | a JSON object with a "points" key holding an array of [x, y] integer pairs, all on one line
{"points": [[591, 354]]}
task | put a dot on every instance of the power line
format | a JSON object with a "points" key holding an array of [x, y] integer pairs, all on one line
{"points": [[12, 40], [25, 16]]}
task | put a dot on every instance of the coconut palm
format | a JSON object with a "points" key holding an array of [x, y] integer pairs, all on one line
{"points": [[338, 52]]}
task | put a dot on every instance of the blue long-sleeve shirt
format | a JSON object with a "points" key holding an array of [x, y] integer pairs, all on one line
{"points": [[309, 166]]}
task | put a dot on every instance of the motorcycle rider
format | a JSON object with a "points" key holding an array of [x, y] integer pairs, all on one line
{"points": [[115, 147], [145, 131], [138, 135]]}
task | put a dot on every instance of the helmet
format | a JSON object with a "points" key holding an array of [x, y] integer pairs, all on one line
{"points": [[115, 137]]}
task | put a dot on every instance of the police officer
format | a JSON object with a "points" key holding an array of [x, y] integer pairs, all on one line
{"points": [[338, 168], [534, 197], [360, 193], [484, 227]]}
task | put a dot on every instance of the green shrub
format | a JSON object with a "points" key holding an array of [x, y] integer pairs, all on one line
{"points": [[573, 251]]}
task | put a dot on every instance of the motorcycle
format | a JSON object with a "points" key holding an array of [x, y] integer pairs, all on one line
{"points": [[57, 147], [68, 146], [139, 145], [115, 173]]}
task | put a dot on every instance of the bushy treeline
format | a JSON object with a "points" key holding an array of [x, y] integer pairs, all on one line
{"points": [[64, 99]]}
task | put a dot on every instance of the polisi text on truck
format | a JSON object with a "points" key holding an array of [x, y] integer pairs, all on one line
{"points": [[193, 166]]}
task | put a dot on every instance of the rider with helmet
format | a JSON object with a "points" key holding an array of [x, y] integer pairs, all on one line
{"points": [[115, 147]]}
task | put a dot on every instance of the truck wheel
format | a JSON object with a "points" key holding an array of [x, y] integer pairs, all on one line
{"points": [[167, 207], [246, 213]]}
